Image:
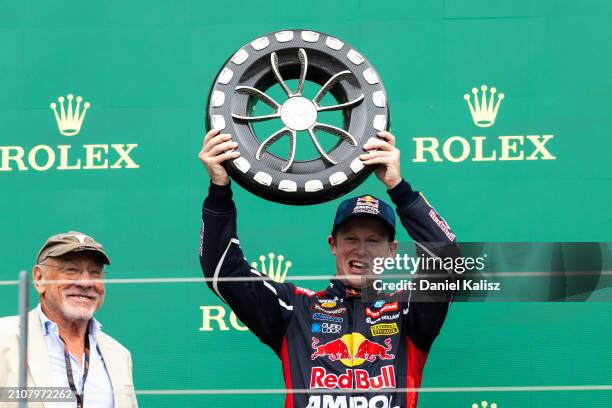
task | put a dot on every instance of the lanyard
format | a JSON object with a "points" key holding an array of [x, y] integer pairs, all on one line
{"points": [[79, 396]]}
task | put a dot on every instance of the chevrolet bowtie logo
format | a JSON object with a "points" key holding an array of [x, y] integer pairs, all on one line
{"points": [[70, 118], [484, 111]]}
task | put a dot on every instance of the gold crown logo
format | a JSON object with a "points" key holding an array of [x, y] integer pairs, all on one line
{"points": [[484, 112], [69, 120], [277, 272], [484, 404]]}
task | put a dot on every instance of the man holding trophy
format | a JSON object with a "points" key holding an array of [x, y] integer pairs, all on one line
{"points": [[349, 351]]}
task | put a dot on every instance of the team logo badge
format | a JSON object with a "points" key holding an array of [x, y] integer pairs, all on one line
{"points": [[352, 350], [366, 204]]}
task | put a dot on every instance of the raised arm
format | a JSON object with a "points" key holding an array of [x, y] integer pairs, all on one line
{"points": [[265, 306], [426, 311]]}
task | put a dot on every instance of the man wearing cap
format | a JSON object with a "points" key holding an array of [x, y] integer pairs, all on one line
{"points": [[66, 347], [337, 342]]}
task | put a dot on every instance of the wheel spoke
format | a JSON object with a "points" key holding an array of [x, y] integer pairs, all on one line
{"points": [[270, 140], [341, 105], [248, 90], [303, 68], [329, 85], [346, 136], [255, 118], [279, 78], [324, 155], [292, 143]]}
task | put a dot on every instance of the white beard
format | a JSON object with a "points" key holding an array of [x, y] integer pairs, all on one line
{"points": [[72, 313], [78, 313]]}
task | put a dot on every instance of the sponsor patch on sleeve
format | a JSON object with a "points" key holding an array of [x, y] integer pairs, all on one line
{"points": [[303, 291], [439, 221]]}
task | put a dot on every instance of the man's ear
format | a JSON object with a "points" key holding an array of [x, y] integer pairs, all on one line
{"points": [[332, 244], [392, 248], [37, 277]]}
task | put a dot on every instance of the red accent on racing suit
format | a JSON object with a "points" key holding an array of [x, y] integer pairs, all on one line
{"points": [[291, 320]]}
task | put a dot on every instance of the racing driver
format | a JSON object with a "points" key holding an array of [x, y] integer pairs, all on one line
{"points": [[351, 353]]}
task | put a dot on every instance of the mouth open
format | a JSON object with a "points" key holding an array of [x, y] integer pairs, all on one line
{"points": [[80, 297], [359, 267]]}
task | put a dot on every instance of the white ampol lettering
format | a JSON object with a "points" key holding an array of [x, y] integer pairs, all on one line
{"points": [[342, 401]]}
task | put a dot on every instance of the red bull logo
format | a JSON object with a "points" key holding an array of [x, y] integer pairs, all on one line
{"points": [[357, 379], [335, 350], [366, 204], [370, 350], [352, 350]]}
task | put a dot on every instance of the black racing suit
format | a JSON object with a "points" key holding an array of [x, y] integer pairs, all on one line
{"points": [[330, 339]]}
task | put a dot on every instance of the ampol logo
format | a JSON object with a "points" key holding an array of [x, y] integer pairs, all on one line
{"points": [[69, 118], [276, 267], [483, 109]]}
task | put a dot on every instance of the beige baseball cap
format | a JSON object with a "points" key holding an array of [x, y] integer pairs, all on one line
{"points": [[71, 241]]}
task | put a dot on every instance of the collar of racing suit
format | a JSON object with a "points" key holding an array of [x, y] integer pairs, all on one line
{"points": [[337, 288]]}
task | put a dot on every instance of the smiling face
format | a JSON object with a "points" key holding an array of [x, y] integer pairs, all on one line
{"points": [[75, 301], [356, 243]]}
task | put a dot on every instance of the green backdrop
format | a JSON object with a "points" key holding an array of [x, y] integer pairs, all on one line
{"points": [[146, 69]]}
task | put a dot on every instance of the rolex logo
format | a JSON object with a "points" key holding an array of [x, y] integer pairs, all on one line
{"points": [[90, 156], [275, 270], [524, 145], [484, 111], [70, 118], [484, 404]]}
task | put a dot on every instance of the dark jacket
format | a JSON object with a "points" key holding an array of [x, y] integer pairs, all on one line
{"points": [[332, 339]]}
